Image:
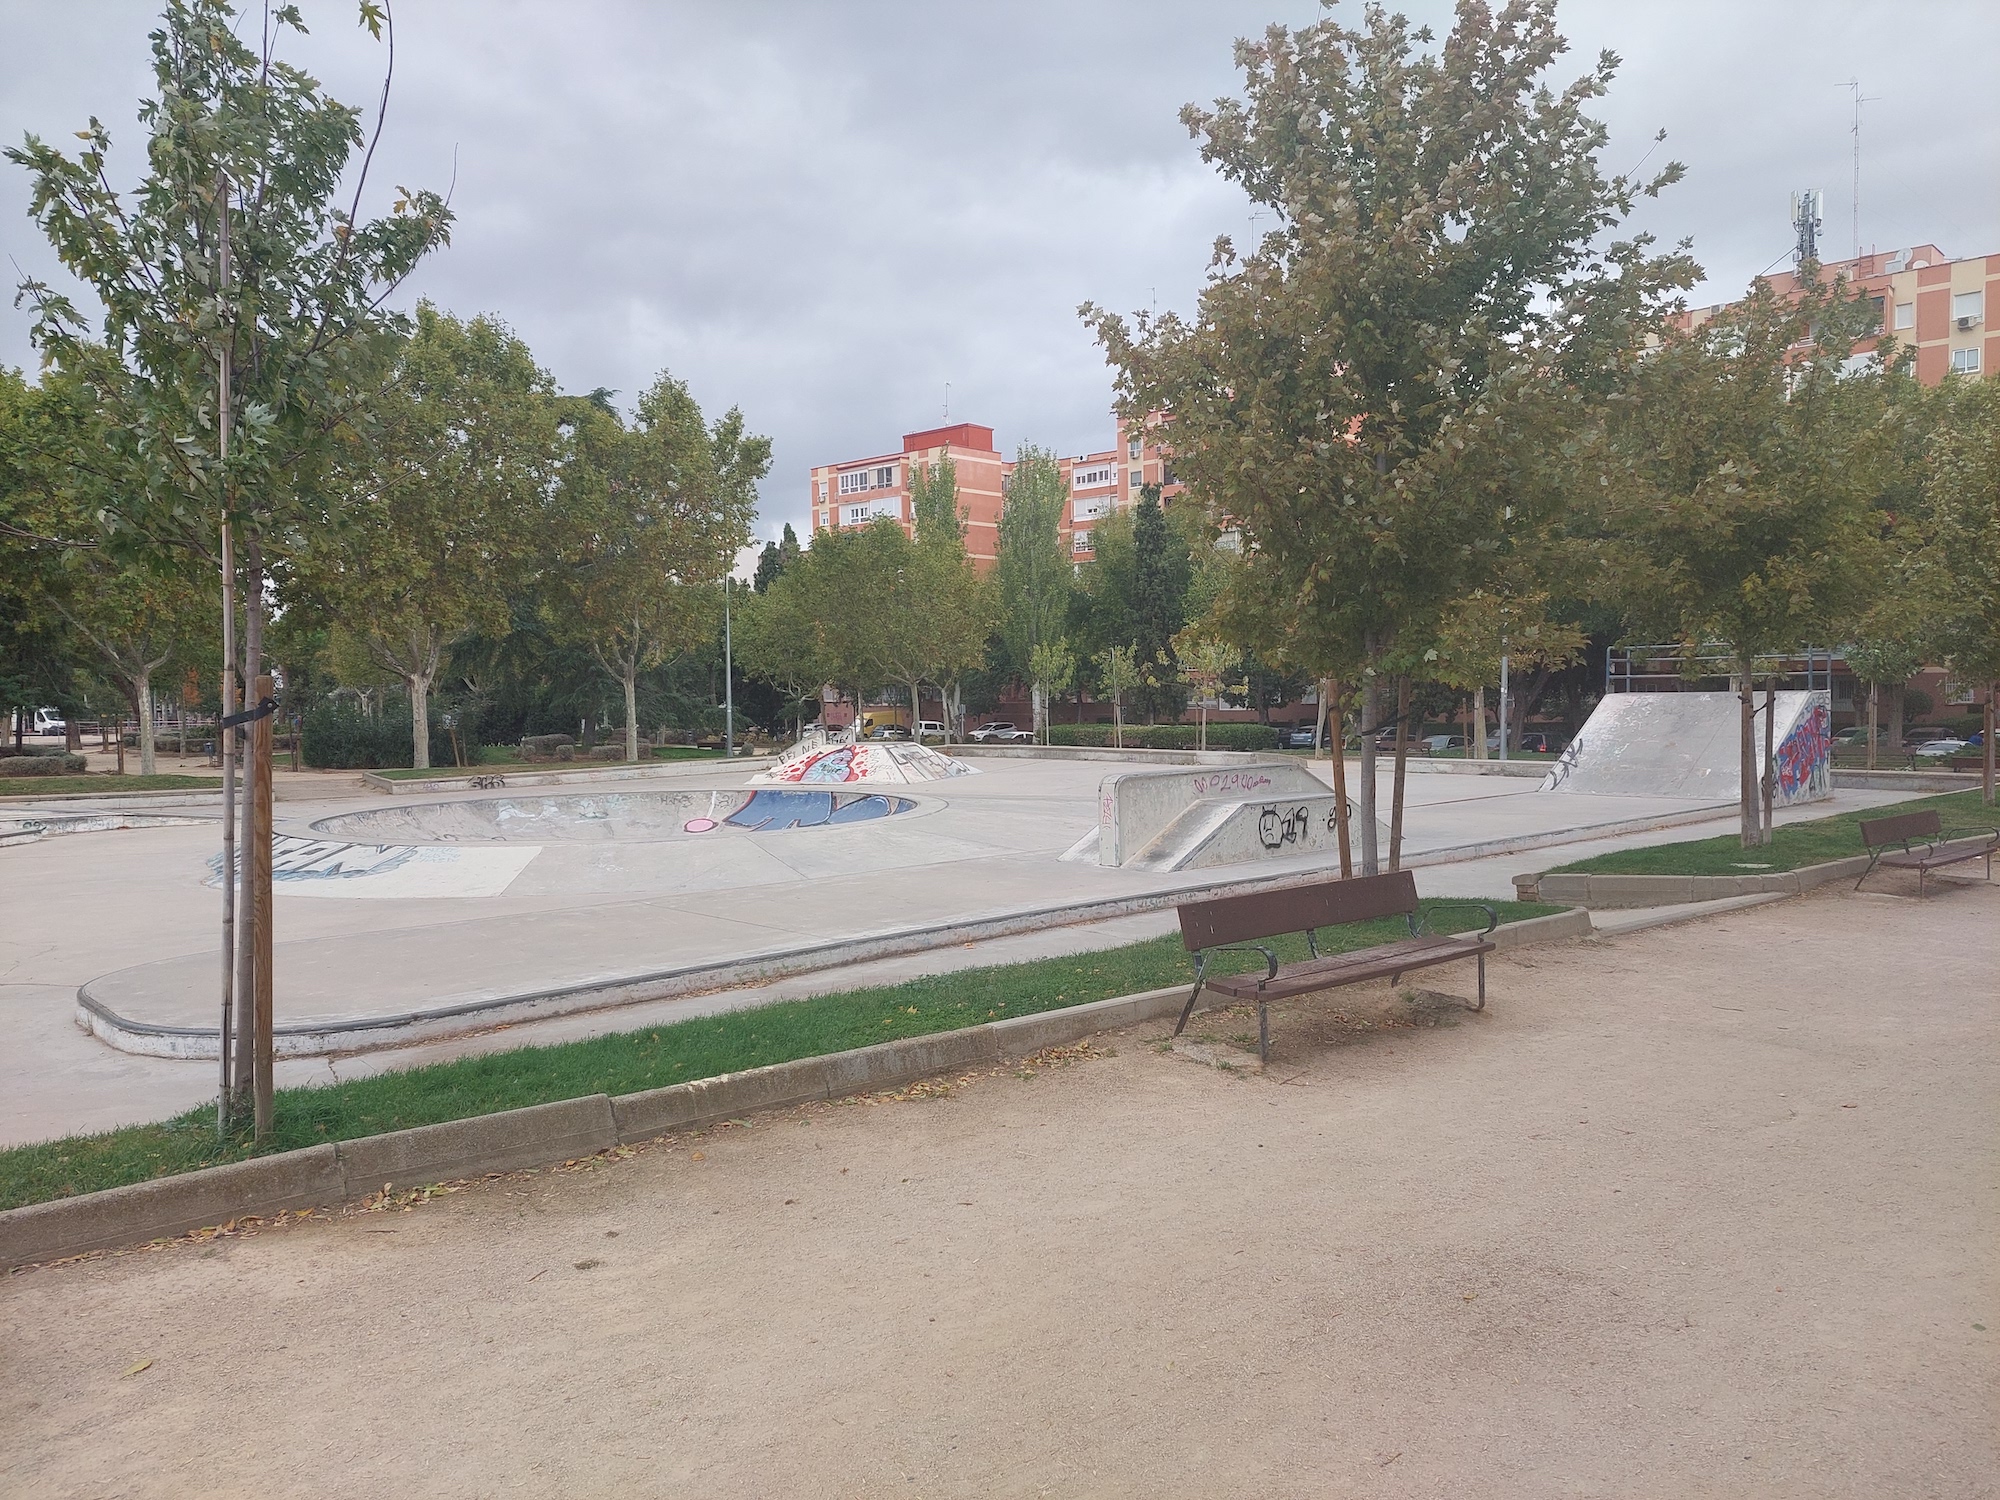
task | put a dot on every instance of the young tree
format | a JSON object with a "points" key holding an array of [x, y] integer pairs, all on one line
{"points": [[1033, 575], [1051, 669], [1208, 662], [647, 522], [1734, 494], [1117, 674], [1161, 570], [1958, 567], [1362, 391], [441, 502]]}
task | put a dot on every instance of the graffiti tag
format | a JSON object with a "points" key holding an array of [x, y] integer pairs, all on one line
{"points": [[1275, 830]]}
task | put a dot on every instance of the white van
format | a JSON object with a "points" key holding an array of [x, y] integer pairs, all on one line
{"points": [[929, 729], [48, 721]]}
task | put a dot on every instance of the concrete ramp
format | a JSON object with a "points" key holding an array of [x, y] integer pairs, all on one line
{"points": [[1686, 745], [1185, 819]]}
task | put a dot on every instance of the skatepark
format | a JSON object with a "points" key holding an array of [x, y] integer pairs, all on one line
{"points": [[417, 925]]}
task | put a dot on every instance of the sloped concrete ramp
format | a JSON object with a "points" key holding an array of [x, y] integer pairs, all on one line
{"points": [[1687, 745]]}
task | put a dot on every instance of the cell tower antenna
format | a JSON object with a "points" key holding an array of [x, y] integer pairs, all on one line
{"points": [[1806, 223], [1854, 202], [947, 401]]}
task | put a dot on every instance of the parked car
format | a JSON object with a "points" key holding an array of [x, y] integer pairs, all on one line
{"points": [[1857, 735], [1941, 747], [1531, 740], [888, 732], [1433, 744], [999, 731], [1300, 737], [929, 729]]}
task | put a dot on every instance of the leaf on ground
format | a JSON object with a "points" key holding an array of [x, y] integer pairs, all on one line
{"points": [[144, 1364]]}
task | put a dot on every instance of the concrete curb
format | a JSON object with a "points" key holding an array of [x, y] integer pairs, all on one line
{"points": [[562, 774], [1609, 892], [99, 801], [1907, 781], [543, 1134], [1105, 752]]}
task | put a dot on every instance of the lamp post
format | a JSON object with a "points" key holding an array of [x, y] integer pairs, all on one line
{"points": [[728, 678]]}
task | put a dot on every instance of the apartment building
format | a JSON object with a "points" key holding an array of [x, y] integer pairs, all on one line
{"points": [[858, 491], [1933, 304]]}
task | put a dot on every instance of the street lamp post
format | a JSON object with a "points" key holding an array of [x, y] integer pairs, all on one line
{"points": [[728, 678]]}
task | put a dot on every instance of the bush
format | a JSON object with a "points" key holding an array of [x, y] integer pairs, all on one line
{"points": [[340, 738], [1168, 736], [547, 747], [42, 763]]}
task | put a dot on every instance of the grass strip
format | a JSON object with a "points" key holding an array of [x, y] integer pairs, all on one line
{"points": [[487, 767], [700, 1047], [1792, 844], [108, 782]]}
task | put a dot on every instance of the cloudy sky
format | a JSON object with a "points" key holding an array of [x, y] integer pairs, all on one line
{"points": [[828, 213]]}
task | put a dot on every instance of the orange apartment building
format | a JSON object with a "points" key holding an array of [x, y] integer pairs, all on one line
{"points": [[1930, 303], [858, 491]]}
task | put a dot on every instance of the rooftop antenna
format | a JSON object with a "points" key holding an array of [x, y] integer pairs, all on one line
{"points": [[947, 401], [1855, 202], [1806, 223]]}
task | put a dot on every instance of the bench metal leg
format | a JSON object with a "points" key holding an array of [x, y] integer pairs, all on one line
{"points": [[1263, 1032], [1188, 1009], [1482, 986], [1869, 871]]}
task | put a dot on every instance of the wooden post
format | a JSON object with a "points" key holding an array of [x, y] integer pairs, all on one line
{"points": [[260, 904], [1336, 723], [1746, 791], [121, 747], [1871, 726], [1986, 743], [1402, 770], [1770, 777]]}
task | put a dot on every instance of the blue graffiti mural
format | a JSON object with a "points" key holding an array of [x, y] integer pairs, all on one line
{"points": [[788, 809]]}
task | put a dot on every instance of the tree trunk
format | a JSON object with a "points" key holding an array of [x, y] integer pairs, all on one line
{"points": [[1986, 743], [1768, 782], [1895, 735], [1477, 744], [142, 692], [631, 681], [1402, 772], [72, 731], [1746, 771], [1371, 856], [1872, 721], [249, 909], [1337, 728], [1118, 718], [420, 718]]}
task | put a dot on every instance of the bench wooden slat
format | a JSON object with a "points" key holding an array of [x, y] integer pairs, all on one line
{"points": [[1893, 830], [1384, 962], [1229, 920]]}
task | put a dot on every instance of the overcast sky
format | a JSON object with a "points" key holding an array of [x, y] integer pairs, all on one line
{"points": [[825, 212]]}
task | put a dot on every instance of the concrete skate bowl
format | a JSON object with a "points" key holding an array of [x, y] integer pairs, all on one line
{"points": [[613, 817]]}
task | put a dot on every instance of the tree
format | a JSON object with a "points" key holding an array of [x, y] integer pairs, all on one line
{"points": [[1735, 488], [1364, 393], [1958, 567], [1476, 631], [934, 502], [1033, 575], [1051, 670], [648, 521], [1208, 662], [774, 559], [1117, 674], [441, 502], [1161, 570]]}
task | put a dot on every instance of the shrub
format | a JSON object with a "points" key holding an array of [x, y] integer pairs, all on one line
{"points": [[42, 763], [338, 737], [1079, 734], [1168, 736], [547, 747]]}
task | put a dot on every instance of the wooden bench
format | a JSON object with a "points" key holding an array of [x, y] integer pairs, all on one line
{"points": [[1904, 831], [1244, 924]]}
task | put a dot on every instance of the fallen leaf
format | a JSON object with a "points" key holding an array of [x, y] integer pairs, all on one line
{"points": [[144, 1364], [698, 1156]]}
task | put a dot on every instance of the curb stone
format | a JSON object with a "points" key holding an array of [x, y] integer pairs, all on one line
{"points": [[544, 1134], [1606, 892]]}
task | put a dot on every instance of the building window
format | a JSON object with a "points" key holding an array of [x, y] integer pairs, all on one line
{"points": [[854, 481], [1090, 510], [1965, 361], [1137, 479], [1132, 448], [1080, 542], [1968, 307], [885, 478], [1876, 303], [1166, 474], [1090, 478], [1906, 316]]}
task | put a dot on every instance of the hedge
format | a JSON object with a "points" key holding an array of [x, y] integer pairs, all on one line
{"points": [[341, 738], [48, 763], [1168, 736]]}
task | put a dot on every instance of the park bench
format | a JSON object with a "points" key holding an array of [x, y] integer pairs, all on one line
{"points": [[1892, 844], [1244, 924]]}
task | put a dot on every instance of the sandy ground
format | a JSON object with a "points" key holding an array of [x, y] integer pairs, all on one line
{"points": [[1703, 1211]]}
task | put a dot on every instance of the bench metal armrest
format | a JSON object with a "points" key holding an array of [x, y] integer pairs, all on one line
{"points": [[1270, 958], [1419, 921]]}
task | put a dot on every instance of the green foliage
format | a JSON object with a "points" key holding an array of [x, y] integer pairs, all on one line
{"points": [[338, 737], [1033, 575], [934, 503], [1169, 736], [42, 765]]}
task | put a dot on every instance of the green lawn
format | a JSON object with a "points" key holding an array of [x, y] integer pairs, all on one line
{"points": [[490, 765], [698, 1048], [1792, 845], [105, 781]]}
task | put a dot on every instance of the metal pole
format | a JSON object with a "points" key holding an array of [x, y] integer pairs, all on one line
{"points": [[1503, 702], [260, 907], [728, 674]]}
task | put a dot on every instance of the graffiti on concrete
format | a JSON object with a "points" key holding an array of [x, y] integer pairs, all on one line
{"points": [[771, 810], [1803, 758], [1230, 781], [1275, 829]]}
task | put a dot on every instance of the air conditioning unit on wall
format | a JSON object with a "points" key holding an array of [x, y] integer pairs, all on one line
{"points": [[1965, 323]]}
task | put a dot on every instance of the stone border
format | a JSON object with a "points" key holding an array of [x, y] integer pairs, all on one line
{"points": [[1606, 892], [561, 774], [543, 1134], [1105, 752], [81, 801]]}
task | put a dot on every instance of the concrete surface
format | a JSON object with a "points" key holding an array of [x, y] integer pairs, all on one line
{"points": [[1702, 1211], [1690, 745], [86, 905]]}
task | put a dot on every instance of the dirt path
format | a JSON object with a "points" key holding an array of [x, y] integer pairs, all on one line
{"points": [[1703, 1211]]}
